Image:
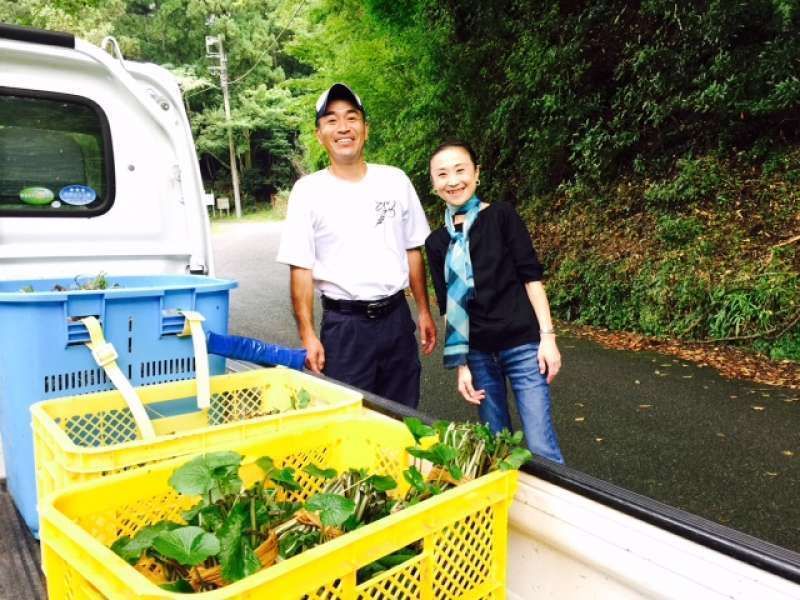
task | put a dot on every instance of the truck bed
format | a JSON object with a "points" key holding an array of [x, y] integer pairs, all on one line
{"points": [[586, 538]]}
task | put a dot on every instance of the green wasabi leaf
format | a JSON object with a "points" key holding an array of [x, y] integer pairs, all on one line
{"points": [[266, 464], [418, 429], [189, 546], [181, 585], [382, 483], [208, 517], [418, 452], [517, 458], [295, 542], [285, 478], [442, 454], [455, 471], [316, 471], [237, 558], [131, 549], [333, 509], [303, 398], [202, 473], [415, 478]]}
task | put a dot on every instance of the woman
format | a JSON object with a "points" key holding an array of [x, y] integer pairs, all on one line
{"points": [[488, 284]]}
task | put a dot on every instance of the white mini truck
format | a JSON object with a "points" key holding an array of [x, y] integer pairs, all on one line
{"points": [[98, 173]]}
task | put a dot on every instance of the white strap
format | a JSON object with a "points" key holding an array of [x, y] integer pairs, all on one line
{"points": [[194, 326], [106, 356]]}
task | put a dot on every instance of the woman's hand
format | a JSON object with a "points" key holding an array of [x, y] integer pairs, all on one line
{"points": [[465, 388], [549, 357]]}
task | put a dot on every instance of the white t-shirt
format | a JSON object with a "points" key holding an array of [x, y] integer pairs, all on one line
{"points": [[354, 235]]}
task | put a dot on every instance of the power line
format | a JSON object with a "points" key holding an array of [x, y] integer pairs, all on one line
{"points": [[272, 46], [260, 58]]}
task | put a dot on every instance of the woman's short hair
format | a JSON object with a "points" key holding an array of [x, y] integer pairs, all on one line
{"points": [[456, 143]]}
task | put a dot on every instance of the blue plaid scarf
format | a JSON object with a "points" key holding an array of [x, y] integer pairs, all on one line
{"points": [[460, 283]]}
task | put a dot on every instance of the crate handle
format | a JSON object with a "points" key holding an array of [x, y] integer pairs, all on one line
{"points": [[193, 325], [106, 356]]}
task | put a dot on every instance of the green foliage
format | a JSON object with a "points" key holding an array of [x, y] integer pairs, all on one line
{"points": [[300, 399], [677, 231], [186, 545], [695, 181], [237, 556], [333, 509], [212, 474], [131, 549], [550, 92], [315, 471]]}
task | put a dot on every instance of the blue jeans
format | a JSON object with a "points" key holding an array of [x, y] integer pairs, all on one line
{"points": [[521, 367]]}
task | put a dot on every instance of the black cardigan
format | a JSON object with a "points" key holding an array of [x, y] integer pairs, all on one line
{"points": [[503, 260]]}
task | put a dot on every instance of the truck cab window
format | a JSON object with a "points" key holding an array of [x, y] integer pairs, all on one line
{"points": [[55, 156]]}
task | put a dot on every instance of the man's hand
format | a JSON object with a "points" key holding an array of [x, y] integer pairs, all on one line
{"points": [[427, 332], [315, 357], [549, 357], [465, 388]]}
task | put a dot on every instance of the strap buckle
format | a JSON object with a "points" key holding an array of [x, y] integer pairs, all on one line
{"points": [[104, 354]]}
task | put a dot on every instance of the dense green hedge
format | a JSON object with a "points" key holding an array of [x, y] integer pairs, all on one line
{"points": [[649, 144]]}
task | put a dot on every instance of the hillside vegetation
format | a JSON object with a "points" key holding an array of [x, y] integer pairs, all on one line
{"points": [[651, 146]]}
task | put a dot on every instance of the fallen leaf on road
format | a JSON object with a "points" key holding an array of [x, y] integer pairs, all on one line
{"points": [[787, 453], [637, 382], [788, 400], [579, 404], [598, 439], [759, 407], [645, 405], [687, 376], [771, 473], [731, 362], [734, 397], [579, 419], [720, 434]]}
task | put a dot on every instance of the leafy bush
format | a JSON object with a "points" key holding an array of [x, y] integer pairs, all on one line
{"points": [[696, 180], [676, 231]]}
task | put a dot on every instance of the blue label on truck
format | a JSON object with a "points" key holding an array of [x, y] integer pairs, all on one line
{"points": [[77, 195]]}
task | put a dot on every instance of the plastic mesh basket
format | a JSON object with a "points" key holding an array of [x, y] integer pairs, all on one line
{"points": [[463, 531], [85, 437], [44, 355]]}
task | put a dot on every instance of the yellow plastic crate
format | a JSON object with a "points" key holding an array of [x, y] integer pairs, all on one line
{"points": [[86, 437], [463, 531]]}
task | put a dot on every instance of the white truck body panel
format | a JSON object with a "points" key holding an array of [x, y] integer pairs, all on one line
{"points": [[563, 545], [158, 223]]}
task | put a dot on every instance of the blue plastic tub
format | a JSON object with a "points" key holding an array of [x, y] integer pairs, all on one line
{"points": [[44, 355]]}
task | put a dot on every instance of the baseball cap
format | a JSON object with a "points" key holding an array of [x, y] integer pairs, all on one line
{"points": [[338, 91]]}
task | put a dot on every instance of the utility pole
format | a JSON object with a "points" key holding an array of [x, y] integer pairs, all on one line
{"points": [[215, 51]]}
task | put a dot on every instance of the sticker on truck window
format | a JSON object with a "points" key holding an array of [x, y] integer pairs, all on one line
{"points": [[77, 195], [36, 195]]}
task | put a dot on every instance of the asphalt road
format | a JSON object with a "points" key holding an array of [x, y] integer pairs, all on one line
{"points": [[726, 450]]}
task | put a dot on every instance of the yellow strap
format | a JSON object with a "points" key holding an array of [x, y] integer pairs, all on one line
{"points": [[194, 326], [106, 356]]}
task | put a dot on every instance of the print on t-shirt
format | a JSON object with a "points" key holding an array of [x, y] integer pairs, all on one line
{"points": [[385, 209]]}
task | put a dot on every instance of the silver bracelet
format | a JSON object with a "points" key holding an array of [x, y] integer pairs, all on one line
{"points": [[547, 332]]}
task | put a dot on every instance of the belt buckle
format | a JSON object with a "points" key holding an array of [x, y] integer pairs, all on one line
{"points": [[375, 309]]}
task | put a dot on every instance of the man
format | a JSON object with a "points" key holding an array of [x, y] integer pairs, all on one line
{"points": [[354, 231]]}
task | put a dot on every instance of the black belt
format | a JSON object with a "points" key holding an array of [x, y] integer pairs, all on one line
{"points": [[372, 309]]}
